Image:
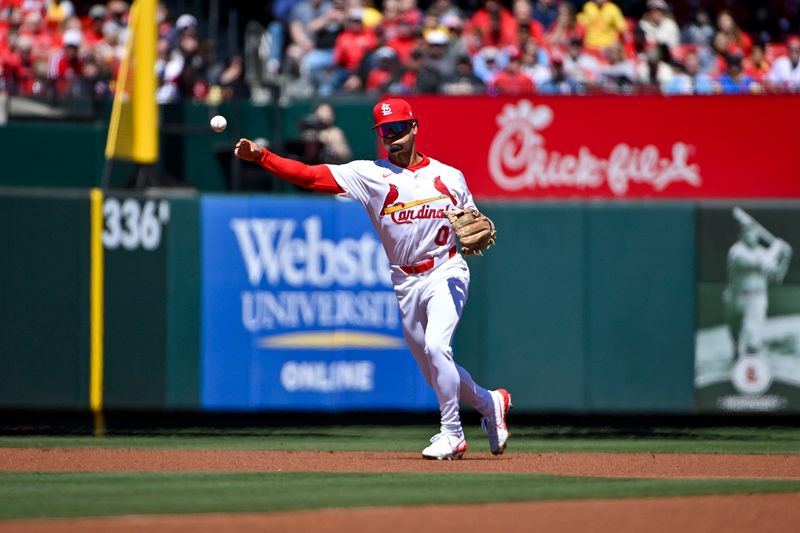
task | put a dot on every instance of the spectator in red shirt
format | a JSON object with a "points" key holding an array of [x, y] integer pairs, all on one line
{"points": [[721, 48], [756, 65], [42, 41], [353, 42], [564, 29], [384, 70], [400, 16], [409, 13], [512, 81], [739, 42], [94, 31], [66, 64], [391, 14], [528, 27], [493, 25], [19, 69], [405, 40]]}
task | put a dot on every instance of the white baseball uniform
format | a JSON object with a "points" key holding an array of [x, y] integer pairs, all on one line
{"points": [[431, 280]]}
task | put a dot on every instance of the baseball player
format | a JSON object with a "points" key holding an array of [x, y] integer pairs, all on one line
{"points": [[750, 269], [419, 207]]}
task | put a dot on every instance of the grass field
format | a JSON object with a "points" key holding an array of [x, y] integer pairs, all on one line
{"points": [[50, 495], [412, 438], [73, 494]]}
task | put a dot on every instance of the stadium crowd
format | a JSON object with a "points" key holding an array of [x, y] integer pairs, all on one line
{"points": [[63, 49]]}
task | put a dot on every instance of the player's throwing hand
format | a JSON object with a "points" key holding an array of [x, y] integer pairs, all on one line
{"points": [[247, 150]]}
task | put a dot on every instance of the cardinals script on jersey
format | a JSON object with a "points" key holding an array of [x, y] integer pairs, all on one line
{"points": [[407, 205]]}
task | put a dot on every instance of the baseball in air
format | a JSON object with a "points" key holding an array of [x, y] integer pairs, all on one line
{"points": [[218, 123]]}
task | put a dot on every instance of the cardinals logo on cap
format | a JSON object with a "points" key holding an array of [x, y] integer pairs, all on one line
{"points": [[391, 110]]}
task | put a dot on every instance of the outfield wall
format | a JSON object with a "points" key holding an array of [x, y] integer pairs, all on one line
{"points": [[586, 307], [580, 308]]}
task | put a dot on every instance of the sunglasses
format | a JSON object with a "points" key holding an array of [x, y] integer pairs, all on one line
{"points": [[395, 129]]}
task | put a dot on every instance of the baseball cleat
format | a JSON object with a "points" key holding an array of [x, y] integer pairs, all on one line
{"points": [[495, 425], [445, 447]]}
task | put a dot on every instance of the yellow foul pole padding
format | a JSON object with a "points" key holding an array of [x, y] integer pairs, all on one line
{"points": [[145, 107], [133, 128], [96, 312], [120, 88]]}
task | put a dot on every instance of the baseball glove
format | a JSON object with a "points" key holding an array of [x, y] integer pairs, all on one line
{"points": [[475, 231]]}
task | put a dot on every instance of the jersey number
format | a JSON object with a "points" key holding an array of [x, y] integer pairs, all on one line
{"points": [[442, 236]]}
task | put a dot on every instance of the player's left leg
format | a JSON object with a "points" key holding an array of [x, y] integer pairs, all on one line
{"points": [[446, 294]]}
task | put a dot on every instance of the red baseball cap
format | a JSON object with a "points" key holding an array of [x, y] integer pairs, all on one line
{"points": [[392, 110]]}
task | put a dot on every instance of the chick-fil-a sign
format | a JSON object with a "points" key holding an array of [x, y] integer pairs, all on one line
{"points": [[616, 147]]}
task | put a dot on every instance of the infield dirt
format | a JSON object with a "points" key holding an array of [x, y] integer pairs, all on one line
{"points": [[641, 465]]}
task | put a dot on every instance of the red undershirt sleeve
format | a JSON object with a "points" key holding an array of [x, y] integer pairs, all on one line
{"points": [[315, 177]]}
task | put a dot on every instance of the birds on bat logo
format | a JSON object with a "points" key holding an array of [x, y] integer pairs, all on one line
{"points": [[439, 185], [391, 197]]}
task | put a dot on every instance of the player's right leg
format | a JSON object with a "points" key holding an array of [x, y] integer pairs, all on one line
{"points": [[443, 297], [443, 445]]}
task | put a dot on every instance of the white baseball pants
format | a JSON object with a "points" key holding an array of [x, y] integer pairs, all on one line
{"points": [[430, 308]]}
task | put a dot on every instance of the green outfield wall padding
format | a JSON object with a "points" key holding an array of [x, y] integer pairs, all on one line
{"points": [[44, 299], [531, 302], [135, 310], [152, 306], [584, 307], [640, 272], [579, 308], [183, 305], [52, 154]]}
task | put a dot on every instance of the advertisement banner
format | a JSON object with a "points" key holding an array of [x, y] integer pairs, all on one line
{"points": [[298, 310], [747, 343], [616, 147]]}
